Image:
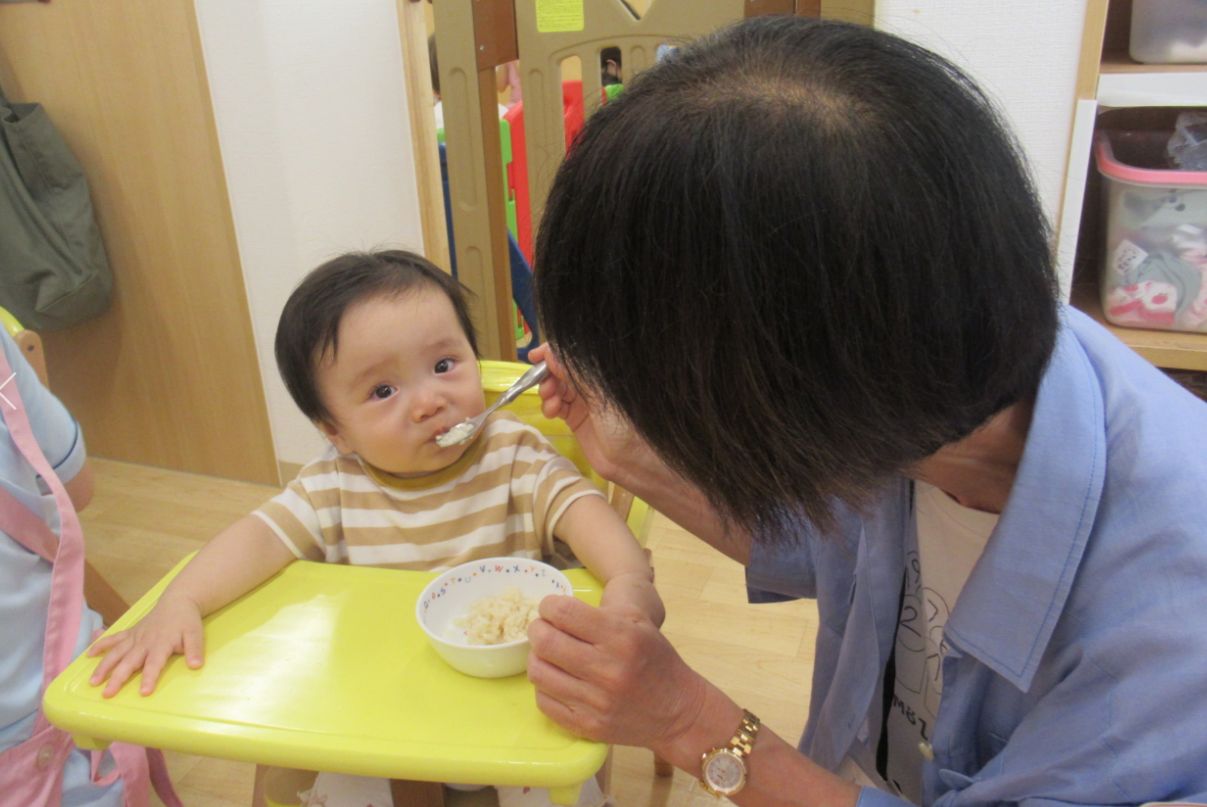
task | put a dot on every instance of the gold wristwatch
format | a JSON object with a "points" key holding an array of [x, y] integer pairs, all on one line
{"points": [[724, 769]]}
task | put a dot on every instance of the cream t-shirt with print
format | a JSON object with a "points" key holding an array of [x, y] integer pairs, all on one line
{"points": [[502, 498]]}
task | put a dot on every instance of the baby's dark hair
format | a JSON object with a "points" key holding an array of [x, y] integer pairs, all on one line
{"points": [[309, 324], [799, 256]]}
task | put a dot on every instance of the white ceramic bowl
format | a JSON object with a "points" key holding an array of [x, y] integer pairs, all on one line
{"points": [[452, 593]]}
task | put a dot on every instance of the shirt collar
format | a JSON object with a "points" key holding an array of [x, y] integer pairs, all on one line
{"points": [[446, 474], [1017, 591]]}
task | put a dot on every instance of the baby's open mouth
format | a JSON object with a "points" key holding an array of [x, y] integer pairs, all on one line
{"points": [[457, 434]]}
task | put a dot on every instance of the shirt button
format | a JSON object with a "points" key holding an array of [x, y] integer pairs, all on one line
{"points": [[926, 750], [45, 755]]}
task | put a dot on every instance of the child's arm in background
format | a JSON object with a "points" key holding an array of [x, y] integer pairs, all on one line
{"points": [[606, 546], [234, 562]]}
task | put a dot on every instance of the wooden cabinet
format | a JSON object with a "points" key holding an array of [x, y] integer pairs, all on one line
{"points": [[168, 376]]}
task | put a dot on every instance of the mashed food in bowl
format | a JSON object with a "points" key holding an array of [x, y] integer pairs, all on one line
{"points": [[496, 620]]}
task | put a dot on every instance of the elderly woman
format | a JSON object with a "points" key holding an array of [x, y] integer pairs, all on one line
{"points": [[800, 297]]}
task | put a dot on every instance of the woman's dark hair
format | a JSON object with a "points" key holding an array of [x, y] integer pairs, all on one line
{"points": [[309, 324], [798, 256]]}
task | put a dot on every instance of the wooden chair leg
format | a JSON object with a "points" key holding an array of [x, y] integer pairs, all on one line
{"points": [[257, 790], [662, 767], [416, 794], [102, 597], [31, 345], [279, 787], [604, 776], [621, 500]]}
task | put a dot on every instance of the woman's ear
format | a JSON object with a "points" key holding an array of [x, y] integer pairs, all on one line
{"points": [[337, 439]]}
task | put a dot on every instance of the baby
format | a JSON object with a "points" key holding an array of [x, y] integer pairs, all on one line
{"points": [[378, 350]]}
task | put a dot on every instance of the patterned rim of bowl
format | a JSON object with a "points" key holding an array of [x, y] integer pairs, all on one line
{"points": [[466, 572]]}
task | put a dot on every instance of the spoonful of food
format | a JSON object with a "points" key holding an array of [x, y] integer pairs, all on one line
{"points": [[467, 429]]}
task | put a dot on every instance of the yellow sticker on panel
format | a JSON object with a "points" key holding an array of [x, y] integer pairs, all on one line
{"points": [[559, 15]]}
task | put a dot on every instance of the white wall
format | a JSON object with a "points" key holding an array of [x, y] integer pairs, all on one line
{"points": [[1024, 53], [311, 110]]}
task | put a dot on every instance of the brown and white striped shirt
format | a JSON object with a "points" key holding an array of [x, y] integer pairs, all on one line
{"points": [[502, 498]]}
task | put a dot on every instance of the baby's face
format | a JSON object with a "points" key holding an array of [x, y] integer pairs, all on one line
{"points": [[404, 374]]}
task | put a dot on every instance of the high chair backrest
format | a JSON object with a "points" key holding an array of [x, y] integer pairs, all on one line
{"points": [[498, 376], [29, 342]]}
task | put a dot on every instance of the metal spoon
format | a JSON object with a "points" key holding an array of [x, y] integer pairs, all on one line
{"points": [[463, 431]]}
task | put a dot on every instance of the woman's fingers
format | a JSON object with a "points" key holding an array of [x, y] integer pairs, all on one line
{"points": [[609, 674], [578, 705], [580, 722], [540, 353], [552, 405], [558, 397], [556, 392], [558, 658], [574, 617]]}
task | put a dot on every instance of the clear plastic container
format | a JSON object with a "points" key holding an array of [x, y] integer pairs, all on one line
{"points": [[1169, 31], [1155, 270]]}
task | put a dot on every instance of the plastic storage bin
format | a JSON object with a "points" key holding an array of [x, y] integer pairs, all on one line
{"points": [[1155, 269], [1169, 31]]}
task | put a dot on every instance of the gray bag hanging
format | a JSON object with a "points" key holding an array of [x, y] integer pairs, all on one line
{"points": [[53, 268]]}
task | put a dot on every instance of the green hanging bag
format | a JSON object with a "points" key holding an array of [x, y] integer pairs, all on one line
{"points": [[53, 269]]}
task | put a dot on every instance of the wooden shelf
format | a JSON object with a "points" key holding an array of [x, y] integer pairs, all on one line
{"points": [[1124, 82], [1117, 62], [1174, 350]]}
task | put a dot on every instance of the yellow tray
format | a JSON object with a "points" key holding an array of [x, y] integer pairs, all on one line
{"points": [[324, 668]]}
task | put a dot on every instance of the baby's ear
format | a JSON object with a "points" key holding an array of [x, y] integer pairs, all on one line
{"points": [[332, 432]]}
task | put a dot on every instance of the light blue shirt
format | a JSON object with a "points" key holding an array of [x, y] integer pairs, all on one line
{"points": [[25, 577], [1077, 669]]}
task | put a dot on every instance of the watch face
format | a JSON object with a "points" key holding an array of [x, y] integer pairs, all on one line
{"points": [[725, 772]]}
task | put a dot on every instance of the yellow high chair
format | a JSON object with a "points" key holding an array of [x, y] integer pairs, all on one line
{"points": [[324, 667], [99, 595], [278, 787]]}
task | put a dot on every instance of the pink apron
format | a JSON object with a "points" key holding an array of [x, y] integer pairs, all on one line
{"points": [[31, 774]]}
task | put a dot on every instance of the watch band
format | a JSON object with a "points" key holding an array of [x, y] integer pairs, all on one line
{"points": [[739, 747], [742, 742]]}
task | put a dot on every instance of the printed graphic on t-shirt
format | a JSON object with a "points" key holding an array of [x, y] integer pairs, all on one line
{"points": [[919, 657], [920, 648], [950, 539]]}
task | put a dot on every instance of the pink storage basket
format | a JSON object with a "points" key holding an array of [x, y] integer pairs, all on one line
{"points": [[1155, 270]]}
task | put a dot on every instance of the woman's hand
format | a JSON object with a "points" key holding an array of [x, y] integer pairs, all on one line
{"points": [[614, 449], [173, 626], [608, 674], [620, 455]]}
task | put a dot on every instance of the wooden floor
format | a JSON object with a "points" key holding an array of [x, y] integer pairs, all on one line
{"points": [[144, 520]]}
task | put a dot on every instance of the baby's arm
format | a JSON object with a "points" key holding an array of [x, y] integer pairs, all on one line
{"points": [[234, 562], [602, 541]]}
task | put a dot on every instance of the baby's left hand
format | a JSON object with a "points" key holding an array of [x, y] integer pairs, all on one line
{"points": [[637, 591]]}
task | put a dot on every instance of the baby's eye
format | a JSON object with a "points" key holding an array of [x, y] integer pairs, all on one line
{"points": [[444, 365], [382, 391]]}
